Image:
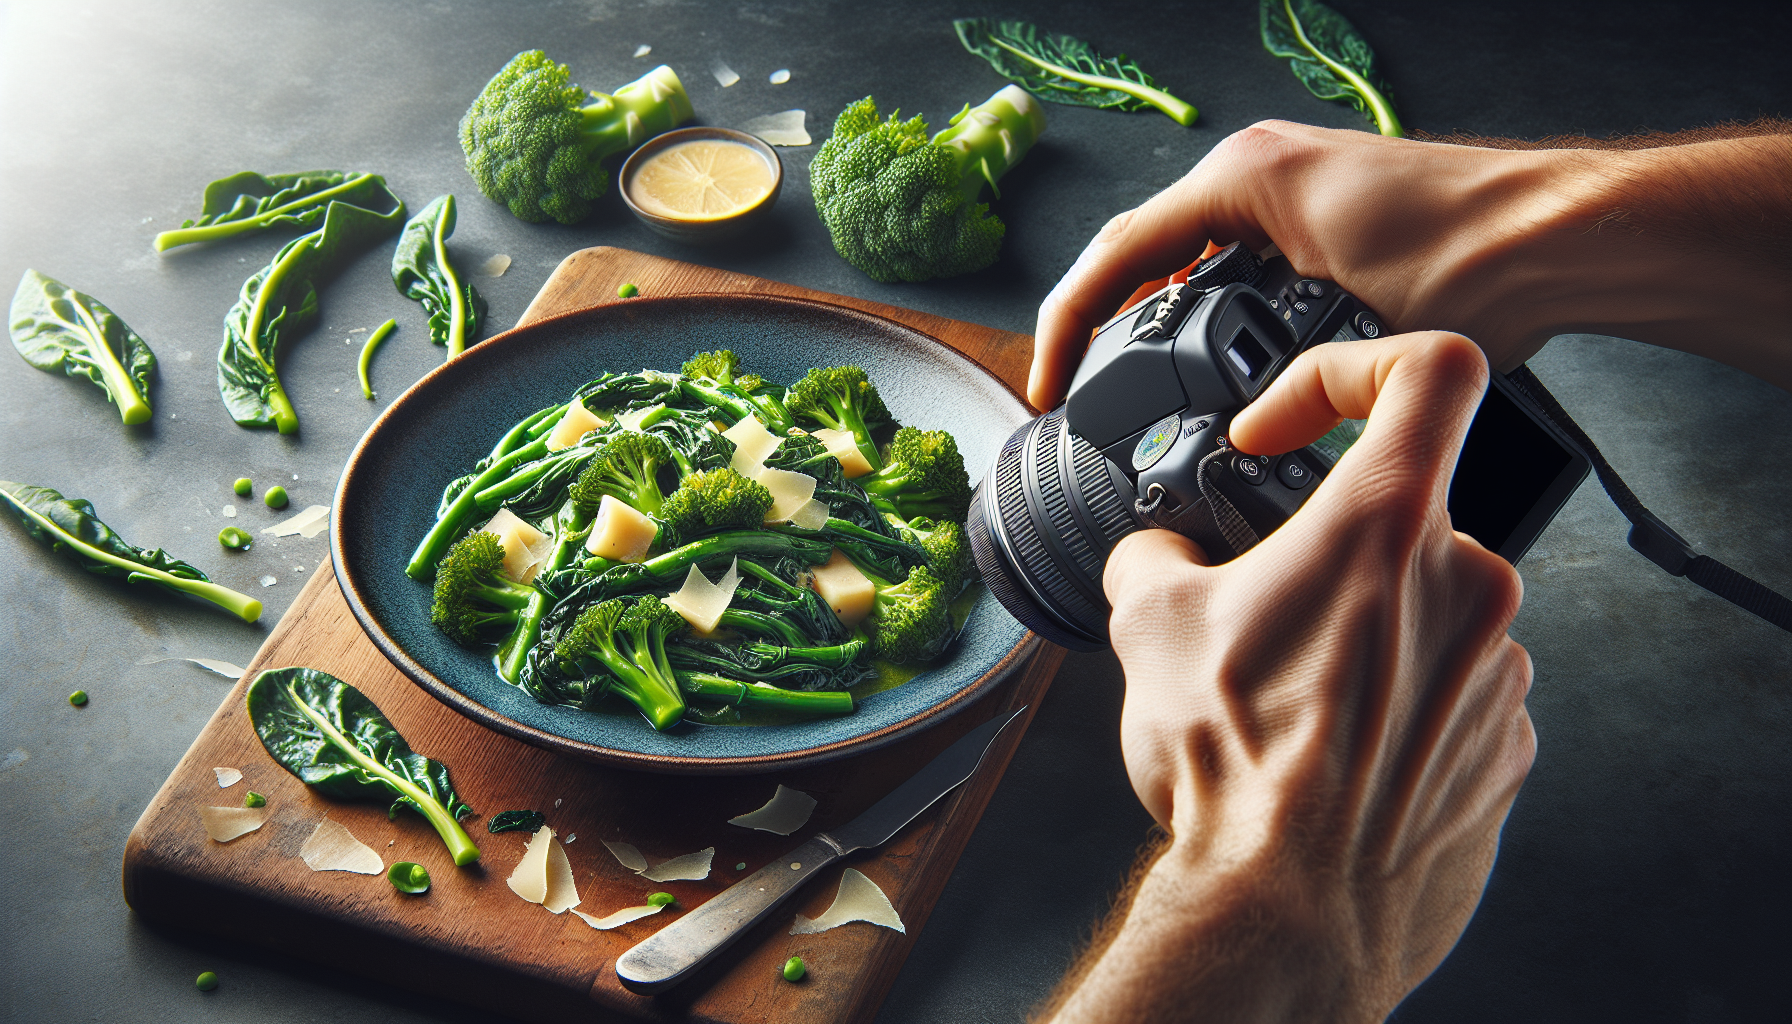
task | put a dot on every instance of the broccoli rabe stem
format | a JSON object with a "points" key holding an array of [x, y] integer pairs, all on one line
{"points": [[119, 384], [760, 624], [457, 295], [447, 529], [991, 137], [571, 527], [183, 236], [285, 418], [734, 542], [732, 691], [1178, 111]]}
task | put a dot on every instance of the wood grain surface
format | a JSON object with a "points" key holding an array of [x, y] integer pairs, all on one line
{"points": [[470, 938]]}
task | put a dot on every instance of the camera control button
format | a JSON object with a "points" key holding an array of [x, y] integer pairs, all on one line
{"points": [[1301, 307], [1311, 288], [1250, 469], [1367, 327], [1293, 473]]}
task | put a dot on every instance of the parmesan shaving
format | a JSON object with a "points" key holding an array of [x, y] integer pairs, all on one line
{"points": [[619, 918], [643, 50], [573, 424], [226, 823], [753, 444], [562, 894], [790, 491], [496, 266], [530, 878], [785, 129], [787, 811], [223, 668], [725, 75], [859, 899], [525, 547], [227, 777], [692, 867], [702, 602], [620, 531], [332, 847], [312, 519], [627, 856], [779, 77], [812, 516], [844, 447]]}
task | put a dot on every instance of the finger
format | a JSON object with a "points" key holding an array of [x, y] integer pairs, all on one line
{"points": [[1144, 557]]}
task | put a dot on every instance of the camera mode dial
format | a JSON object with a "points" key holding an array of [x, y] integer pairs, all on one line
{"points": [[1234, 264]]}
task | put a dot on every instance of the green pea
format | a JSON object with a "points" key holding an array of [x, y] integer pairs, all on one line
{"points": [[661, 899], [243, 486], [206, 982], [627, 291], [408, 877], [275, 497], [794, 969], [78, 698], [254, 799], [742, 866], [234, 538]]}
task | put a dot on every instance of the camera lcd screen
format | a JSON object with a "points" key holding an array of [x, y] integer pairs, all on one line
{"points": [[1512, 476]]}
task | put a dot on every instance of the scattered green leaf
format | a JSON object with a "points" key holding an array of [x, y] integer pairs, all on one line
{"points": [[516, 821], [57, 328], [421, 270], [1065, 69], [1330, 57], [249, 202]]}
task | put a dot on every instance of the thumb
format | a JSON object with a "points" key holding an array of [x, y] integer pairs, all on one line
{"points": [[1142, 561]]}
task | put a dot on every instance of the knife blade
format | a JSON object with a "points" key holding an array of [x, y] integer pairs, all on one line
{"points": [[675, 951]]}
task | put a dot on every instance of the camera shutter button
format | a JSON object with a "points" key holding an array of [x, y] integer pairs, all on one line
{"points": [[1250, 469], [1293, 473]]}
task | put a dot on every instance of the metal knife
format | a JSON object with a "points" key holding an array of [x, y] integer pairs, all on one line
{"points": [[675, 951]]}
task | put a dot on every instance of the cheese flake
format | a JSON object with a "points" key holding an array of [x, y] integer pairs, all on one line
{"points": [[525, 547], [693, 867], [633, 420], [495, 266], [844, 588], [790, 491], [787, 811], [332, 847], [812, 516], [530, 877], [620, 531], [562, 894], [223, 824], [844, 447], [753, 444], [619, 918], [702, 602], [627, 856], [574, 423], [859, 899], [313, 519], [227, 777], [783, 129]]}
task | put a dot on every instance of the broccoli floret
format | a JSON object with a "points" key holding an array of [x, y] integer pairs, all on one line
{"points": [[716, 367], [474, 601], [841, 397], [629, 642], [948, 550], [912, 620], [902, 207], [710, 500], [536, 142], [714, 379], [627, 469], [924, 476]]}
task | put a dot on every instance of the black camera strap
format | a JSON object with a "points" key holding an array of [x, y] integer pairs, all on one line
{"points": [[1648, 534]]}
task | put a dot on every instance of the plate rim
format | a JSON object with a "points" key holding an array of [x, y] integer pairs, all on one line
{"points": [[438, 688]]}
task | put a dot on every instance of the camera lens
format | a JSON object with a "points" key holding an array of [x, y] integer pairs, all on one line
{"points": [[1041, 526]]}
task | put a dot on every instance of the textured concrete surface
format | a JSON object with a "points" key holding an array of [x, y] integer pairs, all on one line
{"points": [[1643, 874]]}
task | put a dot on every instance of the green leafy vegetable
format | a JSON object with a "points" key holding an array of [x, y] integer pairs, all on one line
{"points": [[57, 328], [421, 270], [249, 202], [1064, 69], [71, 528], [516, 821], [333, 738], [1329, 56], [279, 302]]}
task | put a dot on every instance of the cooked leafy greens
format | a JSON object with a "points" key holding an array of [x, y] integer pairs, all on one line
{"points": [[249, 202], [421, 270], [71, 528], [516, 821], [57, 328], [333, 738], [1064, 69], [1330, 57], [279, 302]]}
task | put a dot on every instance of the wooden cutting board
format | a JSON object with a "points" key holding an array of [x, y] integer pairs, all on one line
{"points": [[470, 937]]}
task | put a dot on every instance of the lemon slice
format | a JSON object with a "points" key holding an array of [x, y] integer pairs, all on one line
{"points": [[701, 180]]}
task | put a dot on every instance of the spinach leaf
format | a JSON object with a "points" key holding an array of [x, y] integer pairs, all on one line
{"points": [[333, 738], [249, 202], [1329, 56], [70, 527], [1064, 69], [516, 821], [279, 302], [57, 328], [421, 270]]}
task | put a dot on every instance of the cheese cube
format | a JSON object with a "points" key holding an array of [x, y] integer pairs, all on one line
{"points": [[844, 588], [524, 546], [842, 446], [619, 532], [574, 423]]}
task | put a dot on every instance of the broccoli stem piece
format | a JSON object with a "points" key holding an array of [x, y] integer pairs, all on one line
{"points": [[733, 691], [760, 624], [431, 548], [225, 229], [119, 384], [722, 545], [571, 527], [991, 137]]}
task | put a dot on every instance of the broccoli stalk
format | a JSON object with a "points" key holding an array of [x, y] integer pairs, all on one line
{"points": [[760, 695], [537, 143], [925, 476], [903, 207], [474, 601], [454, 517], [711, 378], [842, 397], [629, 642]]}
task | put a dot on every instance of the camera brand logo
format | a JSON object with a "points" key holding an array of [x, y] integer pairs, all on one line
{"points": [[1156, 442]]}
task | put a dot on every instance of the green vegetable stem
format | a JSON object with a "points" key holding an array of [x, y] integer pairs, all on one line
{"points": [[56, 328], [333, 738], [249, 202], [71, 528], [421, 271], [410, 878], [365, 363], [1329, 56], [1064, 69]]}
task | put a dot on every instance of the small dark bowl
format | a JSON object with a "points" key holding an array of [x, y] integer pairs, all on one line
{"points": [[707, 232]]}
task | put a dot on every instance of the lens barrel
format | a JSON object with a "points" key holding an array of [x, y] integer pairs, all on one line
{"points": [[1041, 526]]}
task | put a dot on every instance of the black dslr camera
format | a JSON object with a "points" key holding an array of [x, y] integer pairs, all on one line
{"points": [[1141, 442]]}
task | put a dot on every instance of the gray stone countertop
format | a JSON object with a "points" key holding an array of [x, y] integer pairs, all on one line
{"points": [[1643, 874]]}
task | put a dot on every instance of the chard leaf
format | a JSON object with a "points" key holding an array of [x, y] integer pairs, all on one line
{"points": [[249, 202], [1065, 69], [57, 328], [69, 527], [1329, 56], [421, 270], [335, 740], [279, 302]]}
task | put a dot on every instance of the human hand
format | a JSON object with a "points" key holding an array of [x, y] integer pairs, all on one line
{"points": [[1331, 726]]}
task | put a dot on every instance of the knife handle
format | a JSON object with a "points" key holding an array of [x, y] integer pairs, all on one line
{"points": [[664, 958]]}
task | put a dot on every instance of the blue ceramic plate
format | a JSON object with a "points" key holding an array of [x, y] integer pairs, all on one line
{"points": [[449, 420]]}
